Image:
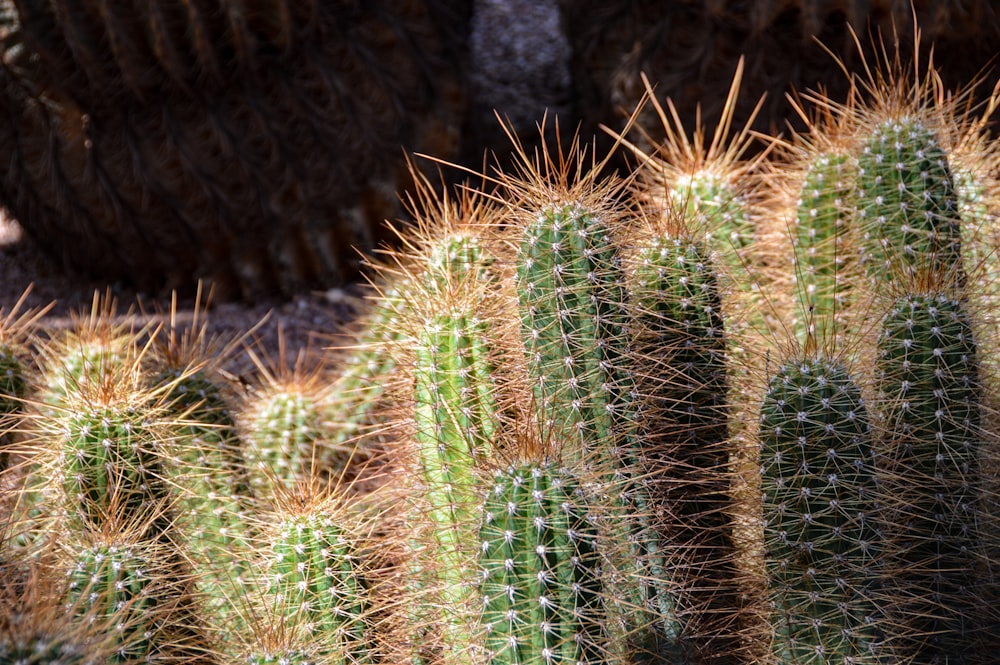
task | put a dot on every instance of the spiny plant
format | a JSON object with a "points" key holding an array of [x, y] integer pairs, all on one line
{"points": [[283, 420], [36, 626], [16, 327], [929, 456], [105, 445], [678, 344], [566, 281], [135, 589], [325, 571], [452, 352], [717, 182], [818, 191], [95, 342], [818, 486], [543, 599]]}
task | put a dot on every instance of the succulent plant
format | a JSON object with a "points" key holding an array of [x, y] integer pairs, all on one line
{"points": [[543, 600], [822, 544]]}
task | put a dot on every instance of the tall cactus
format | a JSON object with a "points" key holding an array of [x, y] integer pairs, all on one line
{"points": [[823, 248], [680, 357], [929, 457], [819, 501], [906, 204]]}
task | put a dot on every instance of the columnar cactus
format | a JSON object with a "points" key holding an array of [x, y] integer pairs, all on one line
{"points": [[823, 247], [930, 483], [128, 589], [317, 572], [821, 542], [571, 303], [541, 583], [905, 197], [679, 345]]}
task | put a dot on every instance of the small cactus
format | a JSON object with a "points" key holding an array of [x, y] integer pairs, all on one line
{"points": [[818, 487], [541, 582]]}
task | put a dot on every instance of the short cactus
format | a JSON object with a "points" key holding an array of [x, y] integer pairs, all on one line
{"points": [[541, 582], [818, 487]]}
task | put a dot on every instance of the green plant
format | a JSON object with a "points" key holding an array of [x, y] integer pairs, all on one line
{"points": [[929, 454], [819, 499], [541, 581]]}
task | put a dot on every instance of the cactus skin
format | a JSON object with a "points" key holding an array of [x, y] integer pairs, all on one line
{"points": [[13, 389], [929, 457], [211, 486], [110, 464], [541, 584], [316, 573], [571, 303], [573, 308], [819, 535], [823, 251], [679, 346], [906, 202], [283, 439]]}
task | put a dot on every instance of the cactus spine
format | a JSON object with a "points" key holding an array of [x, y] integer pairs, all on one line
{"points": [[818, 496]]}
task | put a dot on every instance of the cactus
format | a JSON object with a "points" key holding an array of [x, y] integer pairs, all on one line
{"points": [[929, 468], [541, 583], [317, 572], [679, 345], [284, 421], [571, 300], [15, 327], [818, 487], [136, 591], [906, 202], [823, 249], [107, 450]]}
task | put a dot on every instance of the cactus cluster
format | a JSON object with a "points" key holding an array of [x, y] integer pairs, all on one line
{"points": [[593, 420]]}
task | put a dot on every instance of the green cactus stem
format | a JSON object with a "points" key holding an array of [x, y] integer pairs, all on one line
{"points": [[572, 302], [679, 345], [110, 462], [930, 479], [818, 489], [283, 438], [823, 250], [906, 202], [122, 589], [317, 574], [455, 415], [541, 583]]}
